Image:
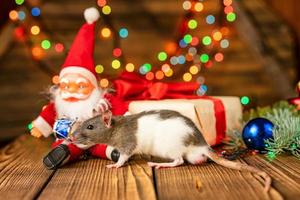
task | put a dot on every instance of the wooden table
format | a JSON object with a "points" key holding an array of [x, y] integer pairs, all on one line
{"points": [[23, 176]]}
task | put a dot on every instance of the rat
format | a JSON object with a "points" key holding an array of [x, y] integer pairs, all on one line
{"points": [[162, 133]]}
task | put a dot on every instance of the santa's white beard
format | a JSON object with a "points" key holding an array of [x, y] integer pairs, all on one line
{"points": [[80, 110]]}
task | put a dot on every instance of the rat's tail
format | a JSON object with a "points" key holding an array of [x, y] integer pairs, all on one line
{"points": [[240, 166]]}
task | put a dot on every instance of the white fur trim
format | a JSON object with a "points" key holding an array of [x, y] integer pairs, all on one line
{"points": [[80, 70], [91, 15], [43, 126], [108, 151]]}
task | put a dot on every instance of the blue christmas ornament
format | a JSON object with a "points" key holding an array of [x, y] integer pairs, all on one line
{"points": [[62, 128], [256, 131]]}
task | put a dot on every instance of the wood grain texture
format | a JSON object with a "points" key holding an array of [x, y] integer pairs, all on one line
{"points": [[285, 172], [91, 179], [22, 174]]}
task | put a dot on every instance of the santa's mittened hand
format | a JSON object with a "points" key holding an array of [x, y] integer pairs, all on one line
{"points": [[36, 133], [103, 106]]}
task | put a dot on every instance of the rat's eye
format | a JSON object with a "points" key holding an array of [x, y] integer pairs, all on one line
{"points": [[90, 127]]}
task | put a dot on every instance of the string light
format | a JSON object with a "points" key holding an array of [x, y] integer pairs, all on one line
{"points": [[105, 32], [123, 33], [55, 79], [116, 64], [150, 76], [117, 52], [206, 40], [35, 11], [35, 30], [59, 47], [187, 77], [21, 15], [192, 24], [101, 3], [198, 7], [162, 56], [46, 44], [159, 75], [204, 58], [104, 83], [231, 17], [219, 57], [19, 2], [37, 53], [106, 10], [245, 100], [99, 69], [13, 15], [187, 5], [129, 67], [194, 69], [210, 19]]}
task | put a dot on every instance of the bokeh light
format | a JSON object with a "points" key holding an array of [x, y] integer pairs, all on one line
{"points": [[35, 11], [224, 43], [117, 52], [13, 15], [206, 40], [204, 58], [129, 67], [99, 69], [150, 76], [194, 69], [245, 100], [159, 75], [231, 17], [59, 47], [219, 57], [210, 19], [106, 10], [104, 83], [106, 32], [187, 5], [19, 2], [198, 7], [192, 24], [46, 44], [217, 35], [162, 56], [21, 15], [55, 79], [101, 3], [35, 30], [187, 77], [116, 64], [123, 33], [37, 53]]}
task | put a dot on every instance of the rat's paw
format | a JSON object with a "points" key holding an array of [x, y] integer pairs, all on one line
{"points": [[115, 165]]}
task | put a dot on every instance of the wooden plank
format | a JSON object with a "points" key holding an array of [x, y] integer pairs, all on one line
{"points": [[22, 174], [92, 180], [209, 181], [285, 172]]}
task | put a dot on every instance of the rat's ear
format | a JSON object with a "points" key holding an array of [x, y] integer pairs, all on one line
{"points": [[106, 118]]}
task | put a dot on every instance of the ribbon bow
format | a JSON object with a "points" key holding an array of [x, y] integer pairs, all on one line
{"points": [[130, 86]]}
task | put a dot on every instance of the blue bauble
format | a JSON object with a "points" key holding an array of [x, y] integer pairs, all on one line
{"points": [[256, 131]]}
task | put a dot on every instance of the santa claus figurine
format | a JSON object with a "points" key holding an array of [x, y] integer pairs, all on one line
{"points": [[76, 97]]}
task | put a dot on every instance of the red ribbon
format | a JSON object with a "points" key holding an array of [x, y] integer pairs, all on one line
{"points": [[130, 87]]}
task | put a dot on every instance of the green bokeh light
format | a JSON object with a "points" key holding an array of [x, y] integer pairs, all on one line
{"points": [[46, 44], [231, 17], [162, 56], [187, 38], [245, 100], [192, 24], [19, 2], [206, 40], [204, 58]]}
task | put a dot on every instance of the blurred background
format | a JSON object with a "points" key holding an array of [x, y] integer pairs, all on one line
{"points": [[238, 48]]}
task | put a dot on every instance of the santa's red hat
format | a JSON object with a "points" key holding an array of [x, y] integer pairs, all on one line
{"points": [[80, 58]]}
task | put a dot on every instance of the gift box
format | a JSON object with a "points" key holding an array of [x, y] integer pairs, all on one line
{"points": [[214, 116]]}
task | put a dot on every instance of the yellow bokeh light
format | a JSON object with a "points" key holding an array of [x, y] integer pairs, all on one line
{"points": [[187, 77], [217, 35], [99, 69], [194, 69], [106, 32], [116, 64], [198, 6], [129, 67], [35, 30], [169, 73], [104, 83], [106, 10]]}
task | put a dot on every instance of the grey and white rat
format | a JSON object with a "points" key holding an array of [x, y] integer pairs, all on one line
{"points": [[162, 133]]}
